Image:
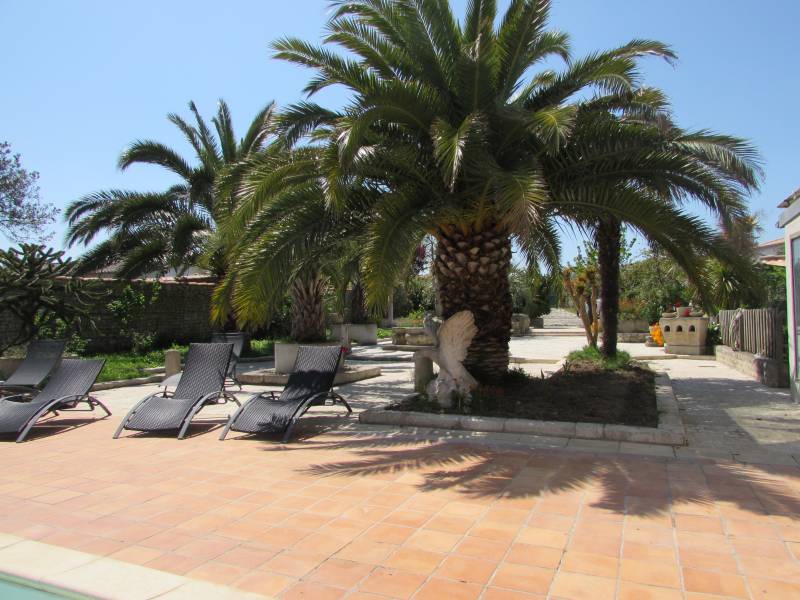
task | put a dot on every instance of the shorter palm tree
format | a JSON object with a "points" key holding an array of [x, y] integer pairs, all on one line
{"points": [[159, 231]]}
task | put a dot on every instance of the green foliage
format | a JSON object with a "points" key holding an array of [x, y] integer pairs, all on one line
{"points": [[714, 337], [158, 231], [22, 215], [530, 291], [38, 287], [129, 309], [592, 355], [262, 347], [384, 333], [651, 285], [415, 295]]}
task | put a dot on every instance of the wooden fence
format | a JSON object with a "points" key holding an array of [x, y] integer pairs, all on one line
{"points": [[757, 330]]}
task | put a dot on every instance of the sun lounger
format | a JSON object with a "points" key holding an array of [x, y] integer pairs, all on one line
{"points": [[42, 356], [201, 384], [310, 384], [67, 388]]}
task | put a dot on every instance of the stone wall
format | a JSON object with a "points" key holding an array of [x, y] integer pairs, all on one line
{"points": [[768, 371], [180, 314]]}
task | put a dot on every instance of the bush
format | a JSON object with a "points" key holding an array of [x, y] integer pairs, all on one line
{"points": [[530, 292], [593, 356]]}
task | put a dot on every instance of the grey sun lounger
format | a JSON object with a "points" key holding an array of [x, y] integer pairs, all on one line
{"points": [[237, 339], [67, 387], [40, 359], [310, 384], [201, 384]]}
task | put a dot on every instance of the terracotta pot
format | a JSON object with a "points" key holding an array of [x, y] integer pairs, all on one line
{"points": [[684, 311]]}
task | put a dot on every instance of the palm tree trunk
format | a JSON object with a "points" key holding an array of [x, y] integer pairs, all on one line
{"points": [[608, 237], [471, 272], [308, 307]]}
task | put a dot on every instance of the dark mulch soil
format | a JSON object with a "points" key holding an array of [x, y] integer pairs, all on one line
{"points": [[585, 392]]}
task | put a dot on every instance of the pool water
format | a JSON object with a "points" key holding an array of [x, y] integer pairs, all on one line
{"points": [[14, 591]]}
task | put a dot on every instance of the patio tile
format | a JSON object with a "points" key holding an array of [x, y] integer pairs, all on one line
{"points": [[260, 582], [576, 586], [481, 548], [590, 564], [389, 534], [542, 537], [661, 574], [462, 568], [709, 562], [294, 564], [138, 555], [699, 524], [535, 556], [312, 590], [709, 582], [637, 591], [436, 589], [392, 583], [501, 594], [523, 578], [175, 563], [769, 589], [366, 552], [249, 557], [340, 573], [216, 572], [433, 541], [414, 560]]}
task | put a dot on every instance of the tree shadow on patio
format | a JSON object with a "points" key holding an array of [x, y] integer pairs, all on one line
{"points": [[627, 484]]}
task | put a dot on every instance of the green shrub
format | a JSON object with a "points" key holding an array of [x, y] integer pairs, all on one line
{"points": [[594, 356]]}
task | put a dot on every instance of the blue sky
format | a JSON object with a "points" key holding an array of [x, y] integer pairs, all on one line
{"points": [[82, 79]]}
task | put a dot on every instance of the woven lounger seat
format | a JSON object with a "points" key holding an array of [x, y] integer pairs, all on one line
{"points": [[40, 359], [310, 384]]}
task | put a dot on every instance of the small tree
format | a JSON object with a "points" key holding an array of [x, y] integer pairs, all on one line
{"points": [[583, 286], [39, 290], [22, 215]]}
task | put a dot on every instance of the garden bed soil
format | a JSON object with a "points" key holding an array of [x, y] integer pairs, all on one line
{"points": [[584, 393]]}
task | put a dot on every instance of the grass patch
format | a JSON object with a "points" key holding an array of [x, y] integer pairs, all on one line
{"points": [[260, 348], [594, 357], [129, 365], [384, 333]]}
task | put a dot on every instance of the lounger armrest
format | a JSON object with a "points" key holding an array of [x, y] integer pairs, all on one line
{"points": [[212, 395]]}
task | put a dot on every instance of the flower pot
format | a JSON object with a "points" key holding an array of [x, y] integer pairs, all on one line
{"points": [[684, 311], [361, 333], [286, 354]]}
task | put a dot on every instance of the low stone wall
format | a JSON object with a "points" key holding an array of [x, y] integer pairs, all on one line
{"points": [[768, 371]]}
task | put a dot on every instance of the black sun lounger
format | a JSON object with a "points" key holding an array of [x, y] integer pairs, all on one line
{"points": [[41, 357], [309, 385], [200, 385], [67, 387], [237, 339]]}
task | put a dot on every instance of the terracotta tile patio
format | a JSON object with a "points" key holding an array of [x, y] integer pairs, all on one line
{"points": [[359, 515]]}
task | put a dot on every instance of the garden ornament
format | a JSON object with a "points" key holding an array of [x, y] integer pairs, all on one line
{"points": [[451, 341]]}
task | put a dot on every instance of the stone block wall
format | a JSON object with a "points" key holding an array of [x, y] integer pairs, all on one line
{"points": [[180, 314]]}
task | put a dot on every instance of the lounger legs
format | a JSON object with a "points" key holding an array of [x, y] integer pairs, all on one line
{"points": [[90, 400]]}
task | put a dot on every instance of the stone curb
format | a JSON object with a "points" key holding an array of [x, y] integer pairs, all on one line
{"points": [[110, 385], [670, 430], [270, 377]]}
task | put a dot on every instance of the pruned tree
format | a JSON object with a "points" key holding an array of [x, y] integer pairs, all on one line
{"points": [[22, 214]]}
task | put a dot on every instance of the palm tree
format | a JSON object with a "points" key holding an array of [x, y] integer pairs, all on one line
{"points": [[625, 149], [283, 236], [158, 231], [450, 122]]}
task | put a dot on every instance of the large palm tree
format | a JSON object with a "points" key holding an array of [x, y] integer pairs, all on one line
{"points": [[624, 150], [158, 231], [452, 122]]}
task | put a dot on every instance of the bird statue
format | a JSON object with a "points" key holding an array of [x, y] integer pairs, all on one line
{"points": [[451, 341]]}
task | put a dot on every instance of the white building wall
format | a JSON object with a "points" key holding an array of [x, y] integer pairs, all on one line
{"points": [[791, 231]]}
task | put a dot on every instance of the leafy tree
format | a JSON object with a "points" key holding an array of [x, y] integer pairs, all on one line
{"points": [[158, 231], [38, 288], [22, 215]]}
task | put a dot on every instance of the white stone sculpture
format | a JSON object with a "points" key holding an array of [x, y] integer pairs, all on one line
{"points": [[452, 339]]}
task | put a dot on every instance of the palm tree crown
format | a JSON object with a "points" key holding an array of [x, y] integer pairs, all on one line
{"points": [[157, 231]]}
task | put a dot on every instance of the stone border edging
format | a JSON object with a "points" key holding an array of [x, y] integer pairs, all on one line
{"points": [[670, 430], [74, 574]]}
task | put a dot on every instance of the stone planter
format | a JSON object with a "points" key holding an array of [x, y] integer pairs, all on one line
{"points": [[411, 336], [538, 323], [633, 326], [685, 335], [520, 324], [361, 333], [286, 354]]}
